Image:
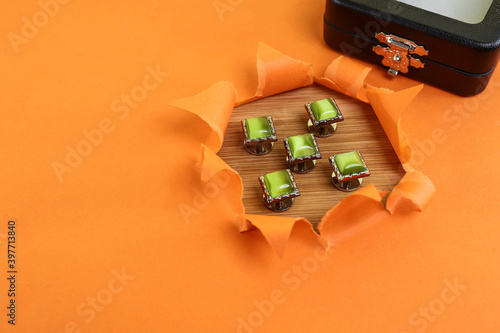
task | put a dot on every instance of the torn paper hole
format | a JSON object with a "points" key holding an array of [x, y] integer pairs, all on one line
{"points": [[278, 73]]}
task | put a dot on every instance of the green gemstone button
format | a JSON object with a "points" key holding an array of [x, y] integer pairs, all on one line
{"points": [[324, 109], [279, 183], [258, 128], [349, 163], [302, 145]]}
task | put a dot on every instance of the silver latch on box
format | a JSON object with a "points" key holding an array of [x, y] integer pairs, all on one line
{"points": [[398, 56]]}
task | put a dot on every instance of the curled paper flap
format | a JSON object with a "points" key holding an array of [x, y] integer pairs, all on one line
{"points": [[415, 190], [346, 76], [279, 73], [225, 183], [353, 213], [388, 106], [214, 106], [277, 230], [412, 193]]}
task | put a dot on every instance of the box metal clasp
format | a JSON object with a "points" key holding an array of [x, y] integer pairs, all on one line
{"points": [[398, 56]]}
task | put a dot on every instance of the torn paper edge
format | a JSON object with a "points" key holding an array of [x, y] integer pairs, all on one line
{"points": [[400, 198]]}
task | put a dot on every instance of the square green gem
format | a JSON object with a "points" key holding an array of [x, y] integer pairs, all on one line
{"points": [[279, 183], [349, 163], [258, 128], [324, 109], [302, 145]]}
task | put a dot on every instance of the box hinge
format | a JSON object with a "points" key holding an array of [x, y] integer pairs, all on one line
{"points": [[398, 56]]}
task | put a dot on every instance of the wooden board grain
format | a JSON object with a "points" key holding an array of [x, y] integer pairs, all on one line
{"points": [[360, 130]]}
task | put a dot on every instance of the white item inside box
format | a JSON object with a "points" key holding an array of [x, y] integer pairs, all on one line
{"points": [[468, 11]]}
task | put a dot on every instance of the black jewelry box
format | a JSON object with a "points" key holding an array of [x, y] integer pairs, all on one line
{"points": [[451, 44]]}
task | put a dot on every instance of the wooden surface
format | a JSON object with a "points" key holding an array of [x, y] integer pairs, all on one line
{"points": [[359, 131]]}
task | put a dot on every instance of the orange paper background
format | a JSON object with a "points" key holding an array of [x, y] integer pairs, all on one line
{"points": [[113, 229]]}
